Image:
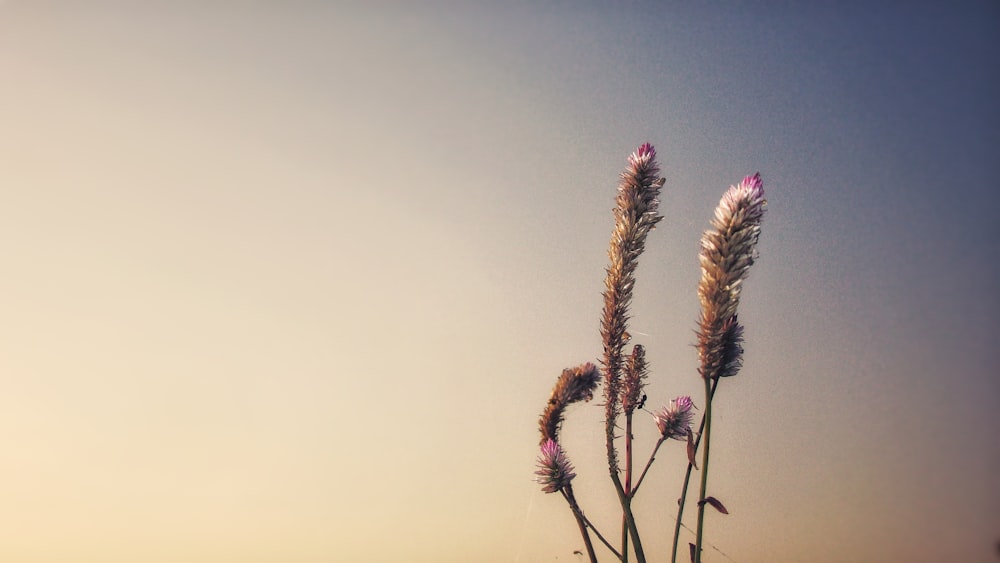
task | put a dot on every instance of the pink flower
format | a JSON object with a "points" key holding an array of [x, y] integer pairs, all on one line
{"points": [[674, 421], [645, 153], [554, 469]]}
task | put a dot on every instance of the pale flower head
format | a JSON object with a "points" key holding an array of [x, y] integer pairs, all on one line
{"points": [[554, 469], [674, 421]]}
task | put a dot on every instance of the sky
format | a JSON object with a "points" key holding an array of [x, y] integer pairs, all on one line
{"points": [[292, 281]]}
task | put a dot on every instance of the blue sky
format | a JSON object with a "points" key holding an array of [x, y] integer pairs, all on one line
{"points": [[292, 282]]}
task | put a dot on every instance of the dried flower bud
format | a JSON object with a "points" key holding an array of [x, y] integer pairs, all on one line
{"points": [[635, 379], [554, 469], [674, 421]]}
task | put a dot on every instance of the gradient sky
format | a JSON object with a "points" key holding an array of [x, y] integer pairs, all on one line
{"points": [[291, 281]]}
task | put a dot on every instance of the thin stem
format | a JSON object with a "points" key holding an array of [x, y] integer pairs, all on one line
{"points": [[680, 506], [652, 456], [704, 470], [687, 480], [628, 480], [580, 521], [579, 512]]}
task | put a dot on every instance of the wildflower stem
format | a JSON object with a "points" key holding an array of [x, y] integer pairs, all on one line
{"points": [[628, 479], [687, 479], [728, 249], [635, 215], [652, 456], [704, 470], [580, 521]]}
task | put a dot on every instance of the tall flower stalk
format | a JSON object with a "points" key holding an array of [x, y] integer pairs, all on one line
{"points": [[636, 213], [728, 250], [573, 386]]}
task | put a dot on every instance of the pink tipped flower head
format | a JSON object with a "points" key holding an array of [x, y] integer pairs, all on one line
{"points": [[554, 469], [645, 153], [728, 249], [636, 213], [674, 421]]}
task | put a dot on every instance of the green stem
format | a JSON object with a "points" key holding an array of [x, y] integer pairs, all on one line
{"points": [[687, 480], [704, 471], [680, 511]]}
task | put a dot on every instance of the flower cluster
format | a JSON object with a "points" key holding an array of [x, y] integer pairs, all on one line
{"points": [[674, 421], [554, 469]]}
